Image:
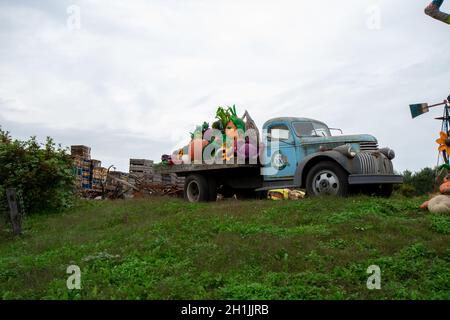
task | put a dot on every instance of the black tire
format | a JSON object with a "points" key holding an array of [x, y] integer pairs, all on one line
{"points": [[196, 188], [327, 178]]}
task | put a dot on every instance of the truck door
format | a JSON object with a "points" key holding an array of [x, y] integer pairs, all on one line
{"points": [[280, 152]]}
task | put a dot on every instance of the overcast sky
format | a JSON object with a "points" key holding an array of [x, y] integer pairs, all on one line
{"points": [[131, 79]]}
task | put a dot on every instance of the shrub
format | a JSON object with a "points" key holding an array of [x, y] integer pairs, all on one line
{"points": [[41, 173], [407, 190], [418, 183]]}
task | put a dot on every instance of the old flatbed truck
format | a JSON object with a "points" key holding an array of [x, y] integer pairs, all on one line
{"points": [[307, 157]]}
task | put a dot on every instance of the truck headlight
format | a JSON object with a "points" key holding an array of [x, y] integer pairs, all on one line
{"points": [[347, 150], [389, 153]]}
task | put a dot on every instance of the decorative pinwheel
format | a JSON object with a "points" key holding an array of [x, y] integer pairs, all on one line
{"points": [[444, 139]]}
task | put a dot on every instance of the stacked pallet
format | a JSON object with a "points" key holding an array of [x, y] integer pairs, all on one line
{"points": [[157, 178], [99, 175], [96, 163], [81, 156], [78, 170], [176, 180], [166, 180], [114, 178], [142, 170], [89, 172], [82, 152], [86, 174]]}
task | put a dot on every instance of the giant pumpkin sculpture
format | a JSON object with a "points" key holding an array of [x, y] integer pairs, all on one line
{"points": [[231, 128]]}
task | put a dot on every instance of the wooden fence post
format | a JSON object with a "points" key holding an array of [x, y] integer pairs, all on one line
{"points": [[15, 215]]}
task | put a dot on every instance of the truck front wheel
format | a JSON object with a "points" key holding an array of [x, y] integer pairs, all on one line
{"points": [[196, 188], [327, 178]]}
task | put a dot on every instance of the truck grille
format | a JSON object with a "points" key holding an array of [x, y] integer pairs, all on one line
{"points": [[374, 163], [368, 146]]}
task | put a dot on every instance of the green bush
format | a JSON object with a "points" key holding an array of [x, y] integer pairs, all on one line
{"points": [[41, 173], [418, 183], [407, 190]]}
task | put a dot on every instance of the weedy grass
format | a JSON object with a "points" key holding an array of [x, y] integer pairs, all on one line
{"points": [[165, 248]]}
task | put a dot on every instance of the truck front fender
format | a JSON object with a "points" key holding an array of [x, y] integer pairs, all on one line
{"points": [[311, 160]]}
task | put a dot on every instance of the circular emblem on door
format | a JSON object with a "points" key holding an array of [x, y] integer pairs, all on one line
{"points": [[279, 161]]}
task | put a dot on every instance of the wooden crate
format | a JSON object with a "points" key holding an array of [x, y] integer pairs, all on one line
{"points": [[140, 169], [99, 173], [97, 184], [166, 179], [141, 162], [177, 181], [81, 151], [157, 178], [77, 161], [96, 163]]}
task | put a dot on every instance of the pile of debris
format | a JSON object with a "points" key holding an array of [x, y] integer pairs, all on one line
{"points": [[118, 186], [96, 182], [141, 170], [148, 183], [155, 189]]}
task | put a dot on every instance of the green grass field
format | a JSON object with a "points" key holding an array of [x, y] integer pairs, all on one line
{"points": [[168, 249]]}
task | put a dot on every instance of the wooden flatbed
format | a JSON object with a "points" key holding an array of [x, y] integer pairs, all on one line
{"points": [[184, 169]]}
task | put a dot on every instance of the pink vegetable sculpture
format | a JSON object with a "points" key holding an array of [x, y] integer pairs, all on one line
{"points": [[248, 151]]}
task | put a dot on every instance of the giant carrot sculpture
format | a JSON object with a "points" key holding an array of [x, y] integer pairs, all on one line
{"points": [[433, 10]]}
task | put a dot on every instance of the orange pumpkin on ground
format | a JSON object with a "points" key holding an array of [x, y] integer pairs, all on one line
{"points": [[424, 205]]}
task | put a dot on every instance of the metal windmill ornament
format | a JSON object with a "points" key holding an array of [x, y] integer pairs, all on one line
{"points": [[444, 136]]}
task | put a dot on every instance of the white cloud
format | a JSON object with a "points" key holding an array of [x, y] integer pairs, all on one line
{"points": [[154, 69]]}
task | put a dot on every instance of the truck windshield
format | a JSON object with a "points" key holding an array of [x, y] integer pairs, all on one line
{"points": [[311, 129]]}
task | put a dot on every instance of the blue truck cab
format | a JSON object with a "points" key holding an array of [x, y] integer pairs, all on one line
{"points": [[302, 153]]}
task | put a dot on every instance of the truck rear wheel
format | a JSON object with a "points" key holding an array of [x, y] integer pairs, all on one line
{"points": [[327, 178], [196, 188]]}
